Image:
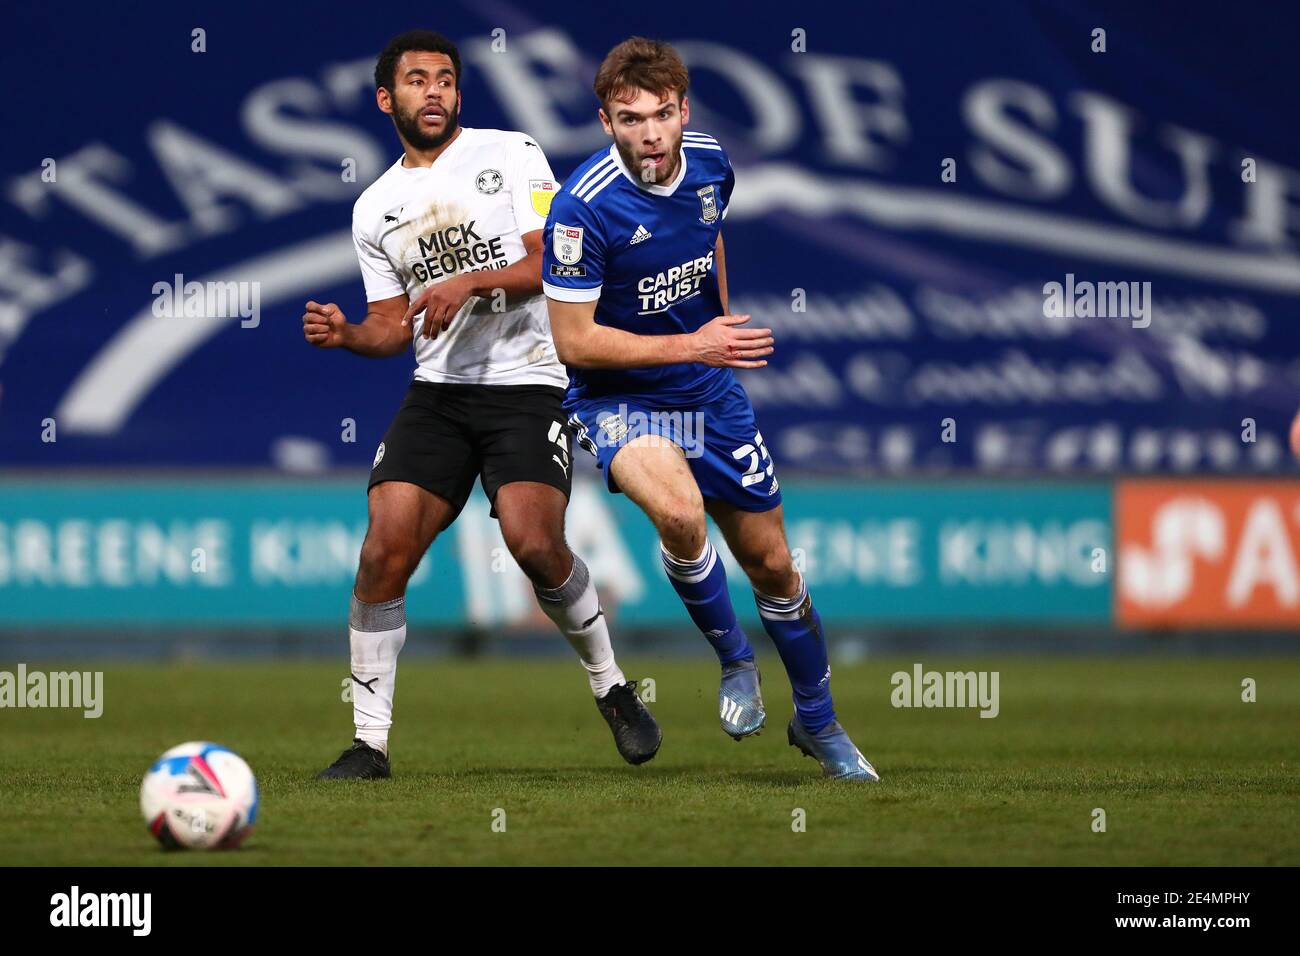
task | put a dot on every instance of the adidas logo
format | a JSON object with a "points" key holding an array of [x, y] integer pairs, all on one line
{"points": [[641, 235], [731, 711]]}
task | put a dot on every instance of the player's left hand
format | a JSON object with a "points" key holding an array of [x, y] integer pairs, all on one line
{"points": [[1295, 436], [440, 303]]}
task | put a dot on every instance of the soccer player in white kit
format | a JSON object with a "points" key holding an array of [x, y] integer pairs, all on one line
{"points": [[449, 241]]}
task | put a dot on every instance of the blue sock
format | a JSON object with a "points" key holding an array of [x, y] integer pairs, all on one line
{"points": [[796, 630], [702, 586]]}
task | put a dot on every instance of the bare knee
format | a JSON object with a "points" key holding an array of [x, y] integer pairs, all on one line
{"points": [[387, 563], [771, 572], [540, 553], [680, 523]]}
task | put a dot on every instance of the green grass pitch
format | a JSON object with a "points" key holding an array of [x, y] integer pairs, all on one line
{"points": [[1186, 772]]}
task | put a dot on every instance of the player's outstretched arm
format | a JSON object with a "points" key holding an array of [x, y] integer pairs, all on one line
{"points": [[380, 334], [581, 343]]}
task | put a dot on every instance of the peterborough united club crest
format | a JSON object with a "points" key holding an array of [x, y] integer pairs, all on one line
{"points": [[489, 181], [708, 204], [567, 243]]}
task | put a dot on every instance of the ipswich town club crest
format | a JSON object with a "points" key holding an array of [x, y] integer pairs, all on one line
{"points": [[708, 204], [566, 241]]}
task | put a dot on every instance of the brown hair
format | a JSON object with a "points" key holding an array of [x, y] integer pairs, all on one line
{"points": [[641, 64]]}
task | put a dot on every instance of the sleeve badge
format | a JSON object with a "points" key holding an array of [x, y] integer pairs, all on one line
{"points": [[566, 243], [542, 192]]}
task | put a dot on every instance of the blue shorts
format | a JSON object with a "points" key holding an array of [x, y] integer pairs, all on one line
{"points": [[721, 440]]}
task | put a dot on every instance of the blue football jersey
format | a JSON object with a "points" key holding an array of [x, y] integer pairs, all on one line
{"points": [[646, 253]]}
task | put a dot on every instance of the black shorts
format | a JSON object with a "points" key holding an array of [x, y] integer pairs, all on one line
{"points": [[444, 436]]}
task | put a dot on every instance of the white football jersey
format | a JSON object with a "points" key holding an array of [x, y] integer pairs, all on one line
{"points": [[466, 212]]}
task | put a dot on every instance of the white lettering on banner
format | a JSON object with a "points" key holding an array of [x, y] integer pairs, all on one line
{"points": [[1219, 551], [878, 313], [1012, 125], [1192, 529], [1016, 377], [282, 116], [805, 380], [538, 81], [1016, 131], [867, 553], [992, 552], [119, 553], [125, 553], [1039, 170], [309, 553], [1017, 139], [1021, 446], [1265, 557], [1013, 378]]}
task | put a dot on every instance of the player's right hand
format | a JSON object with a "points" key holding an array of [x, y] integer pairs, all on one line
{"points": [[323, 325], [723, 344]]}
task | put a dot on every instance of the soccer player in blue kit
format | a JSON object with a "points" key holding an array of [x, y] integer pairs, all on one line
{"points": [[635, 280]]}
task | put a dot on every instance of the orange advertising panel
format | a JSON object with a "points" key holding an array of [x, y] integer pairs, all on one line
{"points": [[1220, 553]]}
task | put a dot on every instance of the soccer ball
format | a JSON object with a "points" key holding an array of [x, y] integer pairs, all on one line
{"points": [[199, 795]]}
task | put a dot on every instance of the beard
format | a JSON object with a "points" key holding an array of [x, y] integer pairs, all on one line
{"points": [[664, 174], [408, 125]]}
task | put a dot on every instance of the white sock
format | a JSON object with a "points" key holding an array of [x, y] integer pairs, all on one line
{"points": [[376, 634], [575, 608]]}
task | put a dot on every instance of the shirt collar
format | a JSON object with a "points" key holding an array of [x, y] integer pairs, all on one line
{"points": [[437, 163]]}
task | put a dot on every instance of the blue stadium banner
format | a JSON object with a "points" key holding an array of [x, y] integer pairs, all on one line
{"points": [[1079, 246]]}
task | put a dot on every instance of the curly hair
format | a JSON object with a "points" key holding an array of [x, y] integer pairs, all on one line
{"points": [[424, 41]]}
